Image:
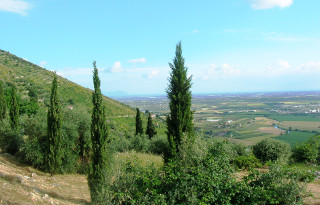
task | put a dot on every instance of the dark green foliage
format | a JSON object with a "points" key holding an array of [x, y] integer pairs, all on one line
{"points": [[307, 152], [84, 142], [139, 128], [200, 180], [159, 145], [54, 132], [10, 139], [3, 104], [151, 130], [278, 186], [99, 135], [140, 143], [69, 146], [179, 121], [228, 149], [14, 109], [246, 162], [204, 178], [35, 145], [272, 150], [29, 107]]}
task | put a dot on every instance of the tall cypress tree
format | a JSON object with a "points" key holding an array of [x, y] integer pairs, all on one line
{"points": [[139, 128], [151, 130], [54, 132], [14, 109], [179, 121], [98, 171], [3, 104]]}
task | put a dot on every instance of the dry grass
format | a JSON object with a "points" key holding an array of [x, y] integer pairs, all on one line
{"points": [[301, 125], [270, 130], [142, 159], [20, 184]]}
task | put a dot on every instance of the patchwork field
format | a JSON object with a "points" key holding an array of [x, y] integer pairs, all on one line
{"points": [[248, 118]]}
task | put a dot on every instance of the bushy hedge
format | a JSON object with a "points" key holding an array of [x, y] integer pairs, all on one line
{"points": [[246, 162], [307, 152], [272, 150], [201, 179]]}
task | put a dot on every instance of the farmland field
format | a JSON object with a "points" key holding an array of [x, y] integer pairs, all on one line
{"points": [[247, 118]]}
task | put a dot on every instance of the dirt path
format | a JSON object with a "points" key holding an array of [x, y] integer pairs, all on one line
{"points": [[20, 184]]}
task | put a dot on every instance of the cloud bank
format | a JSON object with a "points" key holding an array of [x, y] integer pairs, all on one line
{"points": [[15, 6], [269, 4]]}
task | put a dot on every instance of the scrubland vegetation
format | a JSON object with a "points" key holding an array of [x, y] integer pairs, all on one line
{"points": [[130, 161]]}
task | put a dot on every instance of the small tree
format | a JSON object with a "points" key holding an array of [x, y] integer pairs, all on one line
{"points": [[151, 130], [179, 121], [98, 169], [54, 132], [139, 128], [3, 104], [14, 109]]}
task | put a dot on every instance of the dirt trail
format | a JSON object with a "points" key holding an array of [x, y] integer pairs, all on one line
{"points": [[20, 184]]}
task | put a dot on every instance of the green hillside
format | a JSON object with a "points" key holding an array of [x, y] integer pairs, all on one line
{"points": [[27, 76]]}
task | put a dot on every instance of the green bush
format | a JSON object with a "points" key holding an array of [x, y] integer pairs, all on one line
{"points": [[272, 150], [10, 140], [230, 150], [307, 152], [278, 186], [120, 143], [35, 129], [159, 145], [246, 162], [140, 143]]}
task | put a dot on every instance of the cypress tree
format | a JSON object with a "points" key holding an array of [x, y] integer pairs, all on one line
{"points": [[99, 133], [139, 128], [14, 109], [151, 130], [54, 132], [179, 120], [3, 104]]}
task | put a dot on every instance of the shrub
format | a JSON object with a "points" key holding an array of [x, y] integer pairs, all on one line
{"points": [[140, 143], [272, 150], [246, 162], [230, 150], [307, 151], [159, 145], [34, 147], [277, 186], [10, 140]]}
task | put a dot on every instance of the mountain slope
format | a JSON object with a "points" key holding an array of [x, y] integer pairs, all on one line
{"points": [[27, 76]]}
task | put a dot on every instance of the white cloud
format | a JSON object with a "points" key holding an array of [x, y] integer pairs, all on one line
{"points": [[116, 67], [284, 64], [15, 6], [153, 73], [279, 37], [42, 63], [220, 71], [195, 31], [138, 60], [268, 4], [75, 72]]}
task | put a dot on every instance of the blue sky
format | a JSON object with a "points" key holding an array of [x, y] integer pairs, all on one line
{"points": [[229, 45]]}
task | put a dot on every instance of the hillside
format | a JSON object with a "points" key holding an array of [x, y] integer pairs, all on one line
{"points": [[27, 76]]}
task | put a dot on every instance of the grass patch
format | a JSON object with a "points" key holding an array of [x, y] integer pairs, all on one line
{"points": [[143, 159], [295, 137]]}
